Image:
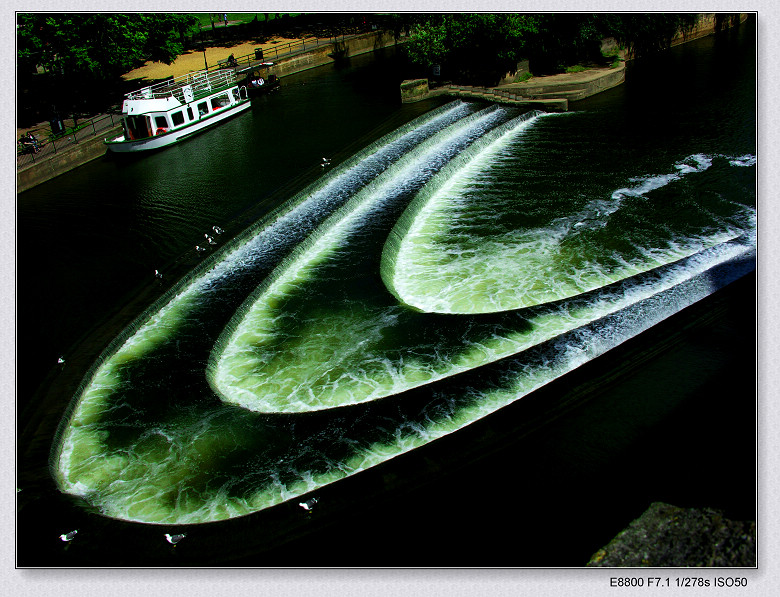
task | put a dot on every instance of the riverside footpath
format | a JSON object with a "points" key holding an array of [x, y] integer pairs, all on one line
{"points": [[80, 142], [77, 145], [550, 93]]}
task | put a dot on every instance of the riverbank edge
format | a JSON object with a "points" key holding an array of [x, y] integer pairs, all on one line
{"points": [[62, 162], [550, 93], [554, 92], [79, 154]]}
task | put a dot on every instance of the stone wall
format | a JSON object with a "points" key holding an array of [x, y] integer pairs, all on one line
{"points": [[44, 170], [64, 161], [709, 23], [413, 90], [331, 52], [706, 24]]}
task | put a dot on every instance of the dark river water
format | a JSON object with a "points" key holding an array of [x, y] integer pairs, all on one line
{"points": [[477, 336]]}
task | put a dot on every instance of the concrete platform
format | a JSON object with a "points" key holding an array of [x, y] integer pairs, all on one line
{"points": [[573, 86], [550, 93]]}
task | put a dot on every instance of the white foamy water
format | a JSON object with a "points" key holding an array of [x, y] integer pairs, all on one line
{"points": [[156, 480], [207, 461], [439, 259], [260, 369]]}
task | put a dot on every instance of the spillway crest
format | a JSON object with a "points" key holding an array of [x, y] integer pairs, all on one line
{"points": [[475, 240], [448, 269]]}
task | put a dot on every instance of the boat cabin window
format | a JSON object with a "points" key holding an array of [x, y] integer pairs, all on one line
{"points": [[161, 122], [138, 127], [203, 108], [189, 113], [177, 118], [220, 102]]}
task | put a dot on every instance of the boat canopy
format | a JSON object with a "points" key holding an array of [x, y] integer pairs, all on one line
{"points": [[186, 88]]}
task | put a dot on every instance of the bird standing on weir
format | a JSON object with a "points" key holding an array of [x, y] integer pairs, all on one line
{"points": [[308, 505], [69, 536], [174, 539]]}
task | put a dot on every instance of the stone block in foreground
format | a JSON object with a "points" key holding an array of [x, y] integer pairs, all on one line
{"points": [[666, 535]]}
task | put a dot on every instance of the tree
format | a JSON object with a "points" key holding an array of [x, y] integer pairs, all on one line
{"points": [[479, 48], [644, 34], [564, 39], [99, 46]]}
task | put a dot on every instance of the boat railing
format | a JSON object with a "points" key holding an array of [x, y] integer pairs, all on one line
{"points": [[200, 82], [223, 74]]}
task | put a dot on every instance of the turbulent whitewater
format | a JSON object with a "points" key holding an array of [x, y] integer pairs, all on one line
{"points": [[463, 246], [287, 362]]}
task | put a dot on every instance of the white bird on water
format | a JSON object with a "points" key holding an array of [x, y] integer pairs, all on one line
{"points": [[69, 536], [210, 239], [61, 361], [199, 249], [174, 539], [217, 229], [308, 505], [325, 162], [157, 274]]}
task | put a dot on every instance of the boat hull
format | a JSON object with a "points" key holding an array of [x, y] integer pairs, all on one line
{"points": [[254, 92], [122, 145]]}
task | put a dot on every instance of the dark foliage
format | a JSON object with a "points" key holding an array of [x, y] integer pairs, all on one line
{"points": [[98, 46], [482, 48]]}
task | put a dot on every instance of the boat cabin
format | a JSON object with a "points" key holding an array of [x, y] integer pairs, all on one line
{"points": [[174, 103]]}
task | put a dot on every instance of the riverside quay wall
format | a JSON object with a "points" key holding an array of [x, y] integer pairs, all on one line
{"points": [[45, 169], [328, 53], [553, 92], [85, 151]]}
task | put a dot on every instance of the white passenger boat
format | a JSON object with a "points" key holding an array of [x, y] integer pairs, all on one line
{"points": [[167, 112]]}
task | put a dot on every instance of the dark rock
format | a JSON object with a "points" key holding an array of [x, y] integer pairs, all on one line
{"points": [[666, 535]]}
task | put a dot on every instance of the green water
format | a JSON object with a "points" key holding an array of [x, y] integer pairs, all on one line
{"points": [[331, 335]]}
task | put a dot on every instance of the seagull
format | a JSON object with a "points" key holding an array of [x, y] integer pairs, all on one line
{"points": [[198, 248], [69, 536], [174, 539], [157, 274], [211, 240], [325, 162], [61, 361], [308, 505], [217, 229]]}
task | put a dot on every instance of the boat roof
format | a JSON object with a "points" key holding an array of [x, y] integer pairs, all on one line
{"points": [[202, 83]]}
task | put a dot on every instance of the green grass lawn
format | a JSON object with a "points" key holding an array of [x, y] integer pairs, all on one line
{"points": [[205, 18]]}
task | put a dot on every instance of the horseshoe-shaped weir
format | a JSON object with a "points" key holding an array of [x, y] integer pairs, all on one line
{"points": [[300, 359]]}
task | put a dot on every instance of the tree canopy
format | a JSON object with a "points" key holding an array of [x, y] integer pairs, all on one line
{"points": [[99, 46], [477, 46], [482, 48]]}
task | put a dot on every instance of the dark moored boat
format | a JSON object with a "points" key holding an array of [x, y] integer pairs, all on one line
{"points": [[257, 80]]}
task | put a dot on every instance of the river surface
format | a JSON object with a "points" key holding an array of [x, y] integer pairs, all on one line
{"points": [[451, 296]]}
